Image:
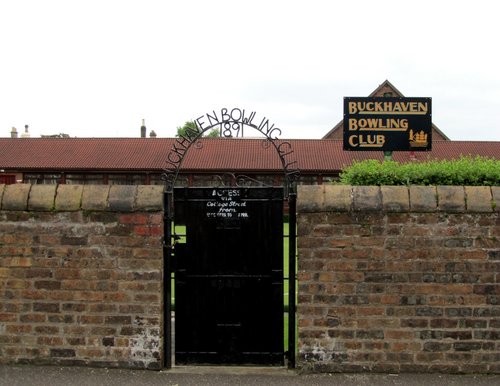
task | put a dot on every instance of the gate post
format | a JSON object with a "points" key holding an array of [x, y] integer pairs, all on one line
{"points": [[167, 279], [292, 276]]}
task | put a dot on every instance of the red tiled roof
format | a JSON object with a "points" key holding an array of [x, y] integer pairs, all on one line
{"points": [[216, 154]]}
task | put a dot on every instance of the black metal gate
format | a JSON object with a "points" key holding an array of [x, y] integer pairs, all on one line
{"points": [[228, 268], [229, 276]]}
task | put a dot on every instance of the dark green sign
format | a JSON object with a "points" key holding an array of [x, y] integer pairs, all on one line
{"points": [[387, 124]]}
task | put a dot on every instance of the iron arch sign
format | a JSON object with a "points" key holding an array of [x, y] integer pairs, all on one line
{"points": [[231, 123]]}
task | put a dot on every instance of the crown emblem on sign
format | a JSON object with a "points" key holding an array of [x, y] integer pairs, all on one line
{"points": [[418, 139]]}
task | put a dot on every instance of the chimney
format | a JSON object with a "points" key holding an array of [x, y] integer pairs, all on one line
{"points": [[13, 133], [143, 129], [26, 133], [152, 134]]}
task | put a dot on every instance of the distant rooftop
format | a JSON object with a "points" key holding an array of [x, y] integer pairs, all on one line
{"points": [[216, 154]]}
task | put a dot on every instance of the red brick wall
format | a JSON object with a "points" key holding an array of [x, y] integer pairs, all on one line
{"points": [[81, 275], [398, 279], [390, 278]]}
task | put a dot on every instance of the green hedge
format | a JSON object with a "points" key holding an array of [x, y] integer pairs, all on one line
{"points": [[467, 171]]}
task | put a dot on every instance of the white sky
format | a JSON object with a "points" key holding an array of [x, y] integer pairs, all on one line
{"points": [[95, 68]]}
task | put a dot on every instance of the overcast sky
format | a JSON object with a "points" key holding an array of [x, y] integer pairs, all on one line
{"points": [[96, 68]]}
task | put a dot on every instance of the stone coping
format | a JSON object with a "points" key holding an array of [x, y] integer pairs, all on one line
{"points": [[114, 198], [310, 198], [449, 199]]}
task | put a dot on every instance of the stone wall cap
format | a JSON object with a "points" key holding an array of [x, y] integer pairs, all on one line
{"points": [[122, 198], [479, 199], [310, 198], [451, 199], [423, 198], [64, 198], [495, 192], [15, 197], [366, 198], [395, 198], [414, 198], [2, 187], [149, 198], [42, 197], [69, 197], [337, 198], [95, 197]]}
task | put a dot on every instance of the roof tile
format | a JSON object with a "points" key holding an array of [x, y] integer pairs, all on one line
{"points": [[235, 154]]}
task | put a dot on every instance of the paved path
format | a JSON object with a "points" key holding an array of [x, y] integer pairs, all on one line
{"points": [[79, 376]]}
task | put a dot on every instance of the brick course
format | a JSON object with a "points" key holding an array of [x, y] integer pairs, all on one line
{"points": [[397, 279], [80, 275]]}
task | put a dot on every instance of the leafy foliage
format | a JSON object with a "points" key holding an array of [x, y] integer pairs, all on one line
{"points": [[465, 171], [189, 129], [214, 133]]}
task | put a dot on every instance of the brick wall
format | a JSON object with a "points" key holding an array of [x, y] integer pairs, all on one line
{"points": [[81, 275], [390, 279], [398, 279]]}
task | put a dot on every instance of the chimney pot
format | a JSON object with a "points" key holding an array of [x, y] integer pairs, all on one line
{"points": [[143, 129], [26, 133]]}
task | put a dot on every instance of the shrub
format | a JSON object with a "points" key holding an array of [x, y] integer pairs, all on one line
{"points": [[468, 171]]}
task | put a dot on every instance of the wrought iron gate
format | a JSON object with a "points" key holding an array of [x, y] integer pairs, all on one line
{"points": [[228, 268], [229, 276]]}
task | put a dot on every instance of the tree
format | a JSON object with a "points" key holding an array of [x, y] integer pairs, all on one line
{"points": [[190, 129], [187, 130], [214, 133]]}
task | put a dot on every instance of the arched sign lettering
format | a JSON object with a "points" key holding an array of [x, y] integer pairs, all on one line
{"points": [[231, 124]]}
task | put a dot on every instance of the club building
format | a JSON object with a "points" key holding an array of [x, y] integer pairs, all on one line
{"points": [[142, 160]]}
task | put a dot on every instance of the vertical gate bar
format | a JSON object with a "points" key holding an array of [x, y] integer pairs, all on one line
{"points": [[167, 279], [292, 273]]}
